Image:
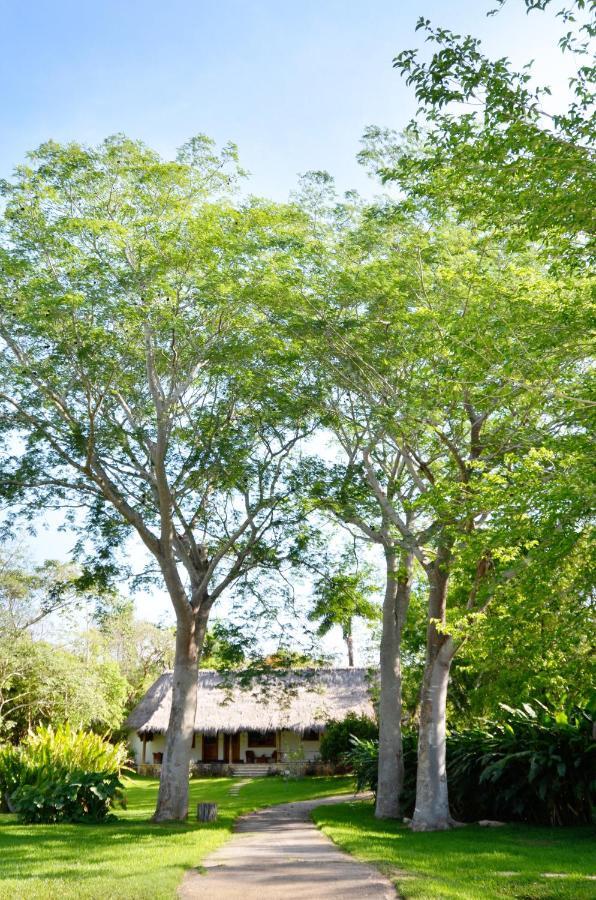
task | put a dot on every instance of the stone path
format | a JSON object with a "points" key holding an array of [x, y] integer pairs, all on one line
{"points": [[278, 853]]}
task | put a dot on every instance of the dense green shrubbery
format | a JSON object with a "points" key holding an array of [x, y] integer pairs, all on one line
{"points": [[62, 776], [534, 767], [335, 740]]}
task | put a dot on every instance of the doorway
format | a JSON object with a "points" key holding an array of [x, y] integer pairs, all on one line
{"points": [[210, 743]]}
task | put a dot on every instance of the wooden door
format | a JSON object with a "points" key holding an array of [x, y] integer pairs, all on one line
{"points": [[210, 748], [235, 747]]}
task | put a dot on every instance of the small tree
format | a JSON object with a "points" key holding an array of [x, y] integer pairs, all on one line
{"points": [[341, 598]]}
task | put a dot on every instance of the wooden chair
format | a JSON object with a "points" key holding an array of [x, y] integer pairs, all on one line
{"points": [[250, 757]]}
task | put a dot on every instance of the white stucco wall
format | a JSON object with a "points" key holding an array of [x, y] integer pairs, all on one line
{"points": [[291, 743]]}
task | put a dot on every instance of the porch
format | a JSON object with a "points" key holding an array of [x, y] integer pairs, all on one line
{"points": [[237, 752]]}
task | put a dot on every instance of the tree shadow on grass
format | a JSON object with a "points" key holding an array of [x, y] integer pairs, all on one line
{"points": [[76, 852]]}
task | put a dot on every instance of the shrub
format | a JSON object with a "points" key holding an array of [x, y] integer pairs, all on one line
{"points": [[363, 758], [62, 776], [535, 767], [335, 740]]}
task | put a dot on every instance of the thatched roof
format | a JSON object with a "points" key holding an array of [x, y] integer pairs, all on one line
{"points": [[297, 700]]}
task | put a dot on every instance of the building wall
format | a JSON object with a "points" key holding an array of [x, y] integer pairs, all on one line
{"points": [[292, 745]]}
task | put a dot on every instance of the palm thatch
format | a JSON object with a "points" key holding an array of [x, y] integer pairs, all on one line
{"points": [[298, 701]]}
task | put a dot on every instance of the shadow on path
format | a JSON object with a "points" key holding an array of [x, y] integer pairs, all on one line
{"points": [[278, 853]]}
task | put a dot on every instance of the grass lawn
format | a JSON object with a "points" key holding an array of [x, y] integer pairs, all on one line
{"points": [[470, 863], [132, 858]]}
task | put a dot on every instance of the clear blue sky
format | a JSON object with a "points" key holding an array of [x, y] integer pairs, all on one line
{"points": [[292, 83]]}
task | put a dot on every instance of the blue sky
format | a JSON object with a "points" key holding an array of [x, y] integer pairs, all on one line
{"points": [[292, 83]]}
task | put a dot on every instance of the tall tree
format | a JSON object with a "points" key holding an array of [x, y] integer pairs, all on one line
{"points": [[142, 389], [462, 374]]}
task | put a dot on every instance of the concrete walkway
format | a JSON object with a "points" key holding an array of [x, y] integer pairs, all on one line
{"points": [[278, 853]]}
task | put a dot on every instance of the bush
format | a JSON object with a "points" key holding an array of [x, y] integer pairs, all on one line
{"points": [[62, 776], [363, 758], [535, 767], [335, 740]]}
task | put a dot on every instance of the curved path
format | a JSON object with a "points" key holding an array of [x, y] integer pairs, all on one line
{"points": [[278, 853]]}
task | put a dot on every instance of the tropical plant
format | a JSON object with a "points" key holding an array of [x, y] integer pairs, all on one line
{"points": [[339, 599], [537, 766], [62, 775]]}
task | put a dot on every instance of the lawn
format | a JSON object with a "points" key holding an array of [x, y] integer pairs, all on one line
{"points": [[132, 858], [470, 863]]}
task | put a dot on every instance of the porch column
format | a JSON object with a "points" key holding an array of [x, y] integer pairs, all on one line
{"points": [[144, 752]]}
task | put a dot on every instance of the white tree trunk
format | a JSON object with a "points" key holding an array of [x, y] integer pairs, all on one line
{"points": [[391, 762], [172, 799], [432, 798], [350, 646]]}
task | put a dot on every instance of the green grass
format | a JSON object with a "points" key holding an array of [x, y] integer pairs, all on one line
{"points": [[470, 863], [131, 858]]}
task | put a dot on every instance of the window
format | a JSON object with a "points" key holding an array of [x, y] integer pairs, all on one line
{"points": [[261, 739], [310, 735]]}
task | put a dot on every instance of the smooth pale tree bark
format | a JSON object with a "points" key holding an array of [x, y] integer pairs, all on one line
{"points": [[395, 609], [350, 645], [432, 798], [172, 800]]}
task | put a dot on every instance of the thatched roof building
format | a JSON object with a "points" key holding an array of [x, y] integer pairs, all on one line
{"points": [[297, 701]]}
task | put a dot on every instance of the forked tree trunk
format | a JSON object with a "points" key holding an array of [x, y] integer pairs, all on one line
{"points": [[391, 761], [172, 799], [432, 796]]}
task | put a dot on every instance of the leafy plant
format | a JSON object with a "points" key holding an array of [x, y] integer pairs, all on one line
{"points": [[363, 757], [62, 776], [537, 766], [336, 739]]}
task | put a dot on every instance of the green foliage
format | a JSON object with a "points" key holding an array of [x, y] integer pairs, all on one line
{"points": [[62, 776], [342, 597], [534, 767], [537, 643], [363, 759], [486, 145], [43, 684], [76, 797], [226, 646], [336, 739]]}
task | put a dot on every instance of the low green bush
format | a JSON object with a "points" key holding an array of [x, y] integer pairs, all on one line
{"points": [[62, 776], [535, 766], [335, 740]]}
